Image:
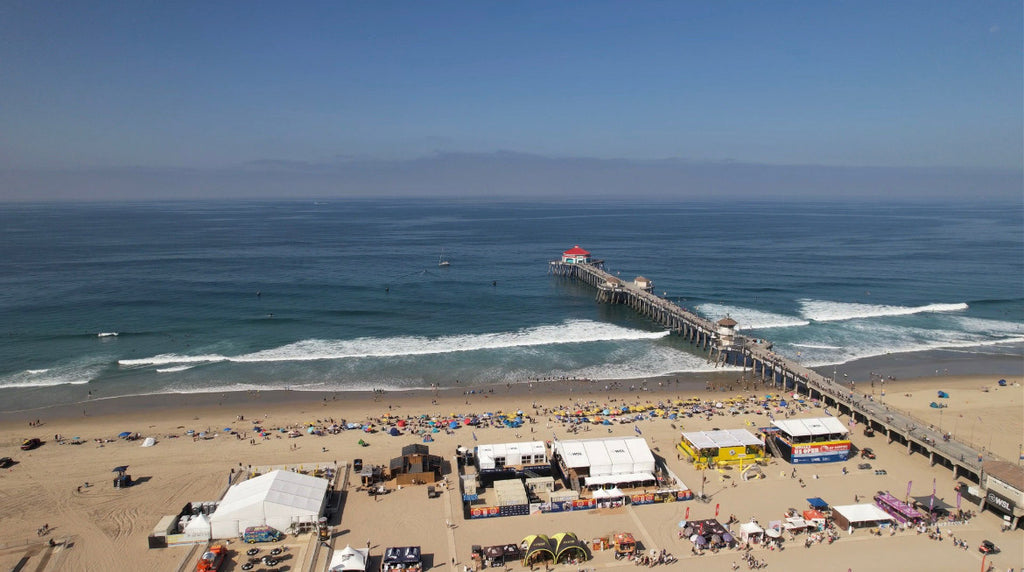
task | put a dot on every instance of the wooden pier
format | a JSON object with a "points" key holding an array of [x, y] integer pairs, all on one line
{"points": [[722, 346]]}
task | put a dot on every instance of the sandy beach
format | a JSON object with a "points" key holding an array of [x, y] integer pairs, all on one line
{"points": [[105, 528]]}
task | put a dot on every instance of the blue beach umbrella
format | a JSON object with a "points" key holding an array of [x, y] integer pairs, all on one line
{"points": [[124, 434], [227, 429]]}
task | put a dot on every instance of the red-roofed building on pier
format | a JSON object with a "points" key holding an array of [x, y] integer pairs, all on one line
{"points": [[576, 255]]}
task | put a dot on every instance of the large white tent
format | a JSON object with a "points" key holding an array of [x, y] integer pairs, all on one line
{"points": [[278, 499], [607, 460], [349, 559], [501, 455]]}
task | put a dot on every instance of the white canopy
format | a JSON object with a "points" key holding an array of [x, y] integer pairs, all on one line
{"points": [[748, 529], [531, 452], [617, 479], [861, 513], [612, 493], [607, 456], [149, 442], [723, 438], [198, 527], [277, 499], [811, 427], [349, 558]]}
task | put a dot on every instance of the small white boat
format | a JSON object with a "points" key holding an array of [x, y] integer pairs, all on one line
{"points": [[442, 261]]}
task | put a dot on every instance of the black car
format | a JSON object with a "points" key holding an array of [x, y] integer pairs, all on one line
{"points": [[988, 548], [357, 465], [867, 453], [29, 444]]}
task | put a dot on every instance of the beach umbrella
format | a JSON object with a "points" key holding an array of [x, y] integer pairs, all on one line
{"points": [[395, 432], [227, 429], [401, 422], [310, 429], [453, 425], [124, 434]]}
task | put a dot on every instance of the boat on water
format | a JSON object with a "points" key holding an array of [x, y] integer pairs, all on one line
{"points": [[442, 261]]}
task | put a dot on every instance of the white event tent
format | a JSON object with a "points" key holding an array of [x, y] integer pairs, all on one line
{"points": [[349, 559], [278, 499]]}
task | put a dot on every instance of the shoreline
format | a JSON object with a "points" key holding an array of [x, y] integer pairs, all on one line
{"points": [[896, 368]]}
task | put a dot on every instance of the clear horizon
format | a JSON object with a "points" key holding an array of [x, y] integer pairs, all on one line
{"points": [[152, 101]]}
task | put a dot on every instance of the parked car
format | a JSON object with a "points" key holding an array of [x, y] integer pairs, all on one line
{"points": [[867, 453], [357, 465], [29, 444], [987, 547]]}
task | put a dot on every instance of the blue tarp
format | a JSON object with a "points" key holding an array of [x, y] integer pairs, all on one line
{"points": [[817, 502]]}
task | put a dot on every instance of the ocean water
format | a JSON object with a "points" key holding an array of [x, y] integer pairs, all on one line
{"points": [[115, 299]]}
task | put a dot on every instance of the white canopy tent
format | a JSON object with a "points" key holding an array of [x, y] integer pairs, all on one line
{"points": [[278, 499], [750, 530], [504, 454], [198, 528], [858, 515], [606, 456], [349, 559]]}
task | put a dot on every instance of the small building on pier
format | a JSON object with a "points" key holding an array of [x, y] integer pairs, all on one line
{"points": [[820, 440], [726, 330], [722, 447], [576, 255], [644, 284]]}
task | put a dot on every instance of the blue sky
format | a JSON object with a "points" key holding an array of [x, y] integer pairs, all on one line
{"points": [[217, 88]]}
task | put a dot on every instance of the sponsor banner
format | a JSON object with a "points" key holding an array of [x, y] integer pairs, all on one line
{"points": [[814, 449], [830, 458], [642, 498], [999, 502], [569, 505], [484, 512]]}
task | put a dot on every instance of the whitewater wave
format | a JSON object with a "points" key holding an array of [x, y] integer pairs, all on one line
{"points": [[78, 373], [829, 311], [174, 368], [107, 335], [571, 332], [748, 318], [859, 340]]}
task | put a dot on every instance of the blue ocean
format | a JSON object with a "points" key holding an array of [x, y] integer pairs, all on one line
{"points": [[107, 300]]}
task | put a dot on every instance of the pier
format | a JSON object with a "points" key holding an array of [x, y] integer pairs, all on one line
{"points": [[722, 346]]}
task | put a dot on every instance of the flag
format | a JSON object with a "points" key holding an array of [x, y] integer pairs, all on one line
{"points": [[687, 517], [474, 435], [716, 509], [637, 429], [931, 501]]}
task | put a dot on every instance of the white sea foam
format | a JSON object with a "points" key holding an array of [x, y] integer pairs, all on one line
{"points": [[576, 331], [174, 368], [869, 339], [107, 335], [77, 373], [817, 346], [829, 311], [750, 319]]}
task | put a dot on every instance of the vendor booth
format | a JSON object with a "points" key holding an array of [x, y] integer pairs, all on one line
{"points": [[349, 559], [852, 516], [722, 447], [751, 532], [404, 558], [536, 548]]}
